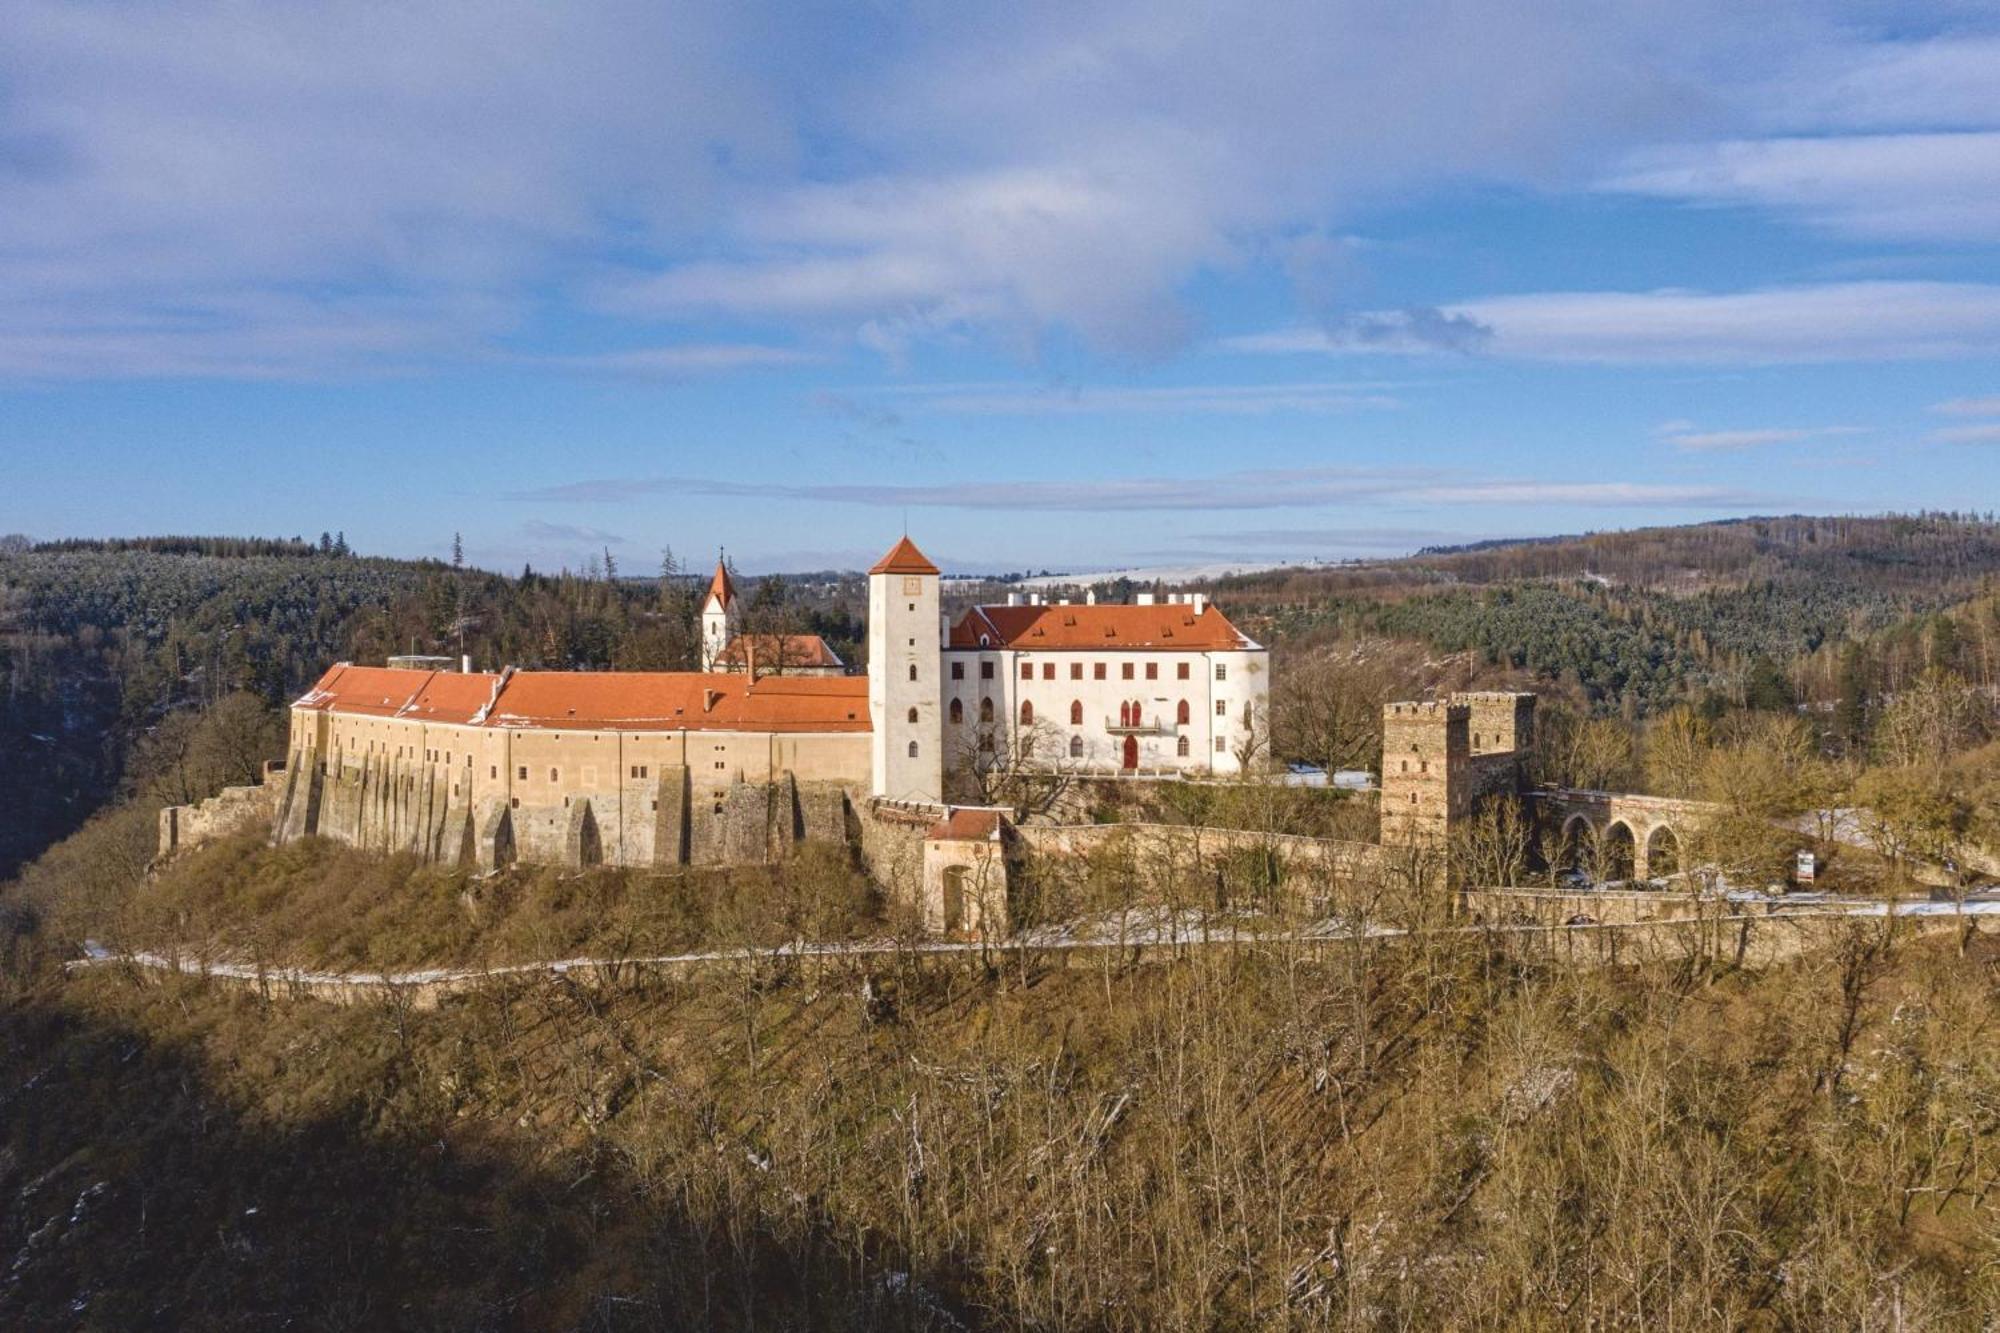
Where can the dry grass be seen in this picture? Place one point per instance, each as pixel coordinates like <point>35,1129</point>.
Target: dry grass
<point>318,904</point>
<point>1250,1137</point>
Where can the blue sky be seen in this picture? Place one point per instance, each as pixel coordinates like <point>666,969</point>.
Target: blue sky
<point>1067,284</point>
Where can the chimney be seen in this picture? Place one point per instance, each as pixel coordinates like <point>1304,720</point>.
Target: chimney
<point>709,698</point>
<point>1199,601</point>
<point>1063,602</point>
<point>1013,599</point>
<point>465,664</point>
<point>1143,599</point>
<point>1090,595</point>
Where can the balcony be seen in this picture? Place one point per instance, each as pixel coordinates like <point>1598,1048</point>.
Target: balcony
<point>1155,726</point>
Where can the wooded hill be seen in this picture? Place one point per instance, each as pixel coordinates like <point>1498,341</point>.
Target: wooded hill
<point>1641,619</point>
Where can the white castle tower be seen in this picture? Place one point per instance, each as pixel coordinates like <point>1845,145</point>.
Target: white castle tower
<point>718,611</point>
<point>903,685</point>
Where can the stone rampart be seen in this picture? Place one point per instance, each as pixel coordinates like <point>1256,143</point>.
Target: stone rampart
<point>1199,844</point>
<point>230,811</point>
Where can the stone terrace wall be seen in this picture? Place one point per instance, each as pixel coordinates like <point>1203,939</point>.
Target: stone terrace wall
<point>1196,844</point>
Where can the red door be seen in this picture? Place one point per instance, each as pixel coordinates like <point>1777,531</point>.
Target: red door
<point>1131,752</point>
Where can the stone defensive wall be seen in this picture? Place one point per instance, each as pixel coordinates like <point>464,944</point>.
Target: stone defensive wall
<point>559,768</point>
<point>231,811</point>
<point>1195,845</point>
<point>664,819</point>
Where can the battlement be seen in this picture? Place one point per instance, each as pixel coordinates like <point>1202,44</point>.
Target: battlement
<point>1432,710</point>
<point>1502,721</point>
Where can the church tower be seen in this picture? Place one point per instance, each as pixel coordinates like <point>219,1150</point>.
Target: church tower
<point>903,685</point>
<point>718,616</point>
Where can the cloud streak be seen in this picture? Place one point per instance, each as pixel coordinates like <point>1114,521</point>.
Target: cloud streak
<point>1310,397</point>
<point>1987,433</point>
<point>1831,322</point>
<point>1683,436</point>
<point>1274,489</point>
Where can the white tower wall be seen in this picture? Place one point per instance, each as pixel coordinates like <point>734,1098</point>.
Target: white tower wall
<point>903,680</point>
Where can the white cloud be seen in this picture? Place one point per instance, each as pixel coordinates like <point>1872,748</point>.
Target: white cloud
<point>684,359</point>
<point>1983,434</point>
<point>1683,435</point>
<point>1930,187</point>
<point>1854,321</point>
<point>1180,399</point>
<point>1291,488</point>
<point>221,189</point>
<point>1968,407</point>
<point>214,188</point>
<point>1944,81</point>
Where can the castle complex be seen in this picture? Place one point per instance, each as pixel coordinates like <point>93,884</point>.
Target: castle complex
<point>769,743</point>
<point>772,743</point>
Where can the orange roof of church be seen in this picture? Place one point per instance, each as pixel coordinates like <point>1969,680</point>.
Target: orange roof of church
<point>1164,625</point>
<point>721,587</point>
<point>602,700</point>
<point>777,651</point>
<point>904,558</point>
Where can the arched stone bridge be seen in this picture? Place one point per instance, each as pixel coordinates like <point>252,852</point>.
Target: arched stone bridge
<point>1619,835</point>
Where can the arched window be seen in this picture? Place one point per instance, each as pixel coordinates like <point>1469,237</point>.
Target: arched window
<point>1181,747</point>
<point>913,671</point>
<point>1076,712</point>
<point>1249,712</point>
<point>913,715</point>
<point>957,712</point>
<point>1076,747</point>
<point>986,710</point>
<point>913,749</point>
<point>1181,715</point>
<point>1027,713</point>
<point>1124,713</point>
<point>1138,713</point>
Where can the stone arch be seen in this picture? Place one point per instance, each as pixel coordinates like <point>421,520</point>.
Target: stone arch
<point>957,890</point>
<point>1579,840</point>
<point>1619,853</point>
<point>1663,851</point>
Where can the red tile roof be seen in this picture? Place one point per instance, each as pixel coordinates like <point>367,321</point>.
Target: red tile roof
<point>1167,625</point>
<point>603,700</point>
<point>780,652</point>
<point>966,826</point>
<point>368,691</point>
<point>904,558</point>
<point>721,586</point>
<point>673,700</point>
<point>452,696</point>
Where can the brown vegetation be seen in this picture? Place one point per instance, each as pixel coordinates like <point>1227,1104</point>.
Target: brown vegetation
<point>1424,1136</point>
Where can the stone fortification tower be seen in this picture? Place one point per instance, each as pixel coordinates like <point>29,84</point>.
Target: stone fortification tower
<point>1502,721</point>
<point>1426,787</point>
<point>718,616</point>
<point>903,670</point>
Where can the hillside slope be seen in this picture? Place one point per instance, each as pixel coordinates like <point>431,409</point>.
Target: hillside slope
<point>1423,1137</point>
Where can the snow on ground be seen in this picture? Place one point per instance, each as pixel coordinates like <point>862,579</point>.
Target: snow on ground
<point>1173,575</point>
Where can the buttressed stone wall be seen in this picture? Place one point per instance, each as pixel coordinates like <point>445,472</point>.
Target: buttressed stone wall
<point>574,768</point>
